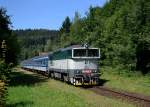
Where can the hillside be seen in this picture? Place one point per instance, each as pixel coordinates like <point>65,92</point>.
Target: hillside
<point>34,41</point>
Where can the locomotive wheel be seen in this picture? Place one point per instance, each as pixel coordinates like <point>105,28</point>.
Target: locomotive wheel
<point>49,74</point>
<point>52,75</point>
<point>74,81</point>
<point>65,78</point>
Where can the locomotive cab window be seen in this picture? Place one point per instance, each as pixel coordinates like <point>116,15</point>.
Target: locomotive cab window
<point>93,53</point>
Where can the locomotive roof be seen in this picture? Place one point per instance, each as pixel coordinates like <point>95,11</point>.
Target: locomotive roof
<point>36,57</point>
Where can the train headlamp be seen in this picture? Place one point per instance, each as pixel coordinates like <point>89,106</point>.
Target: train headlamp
<point>94,71</point>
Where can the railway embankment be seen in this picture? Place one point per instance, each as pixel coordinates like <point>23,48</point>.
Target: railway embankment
<point>137,99</point>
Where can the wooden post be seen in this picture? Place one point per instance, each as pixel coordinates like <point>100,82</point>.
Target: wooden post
<point>4,49</point>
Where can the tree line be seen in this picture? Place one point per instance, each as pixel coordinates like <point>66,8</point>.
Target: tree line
<point>121,29</point>
<point>34,41</point>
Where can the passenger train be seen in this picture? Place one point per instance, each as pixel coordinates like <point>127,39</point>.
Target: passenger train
<point>75,64</point>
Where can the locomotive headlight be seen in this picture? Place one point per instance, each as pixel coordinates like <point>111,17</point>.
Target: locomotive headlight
<point>94,71</point>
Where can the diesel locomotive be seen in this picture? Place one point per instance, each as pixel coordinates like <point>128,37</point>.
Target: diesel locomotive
<point>75,64</point>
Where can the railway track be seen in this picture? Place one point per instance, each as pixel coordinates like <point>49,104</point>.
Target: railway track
<point>137,99</point>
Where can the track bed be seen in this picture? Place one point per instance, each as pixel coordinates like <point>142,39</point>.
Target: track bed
<point>137,99</point>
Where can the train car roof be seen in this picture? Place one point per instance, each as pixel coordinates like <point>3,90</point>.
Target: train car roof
<point>40,57</point>
<point>36,58</point>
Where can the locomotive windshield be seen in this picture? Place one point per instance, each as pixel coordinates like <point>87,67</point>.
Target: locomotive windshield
<point>79,53</point>
<point>86,53</point>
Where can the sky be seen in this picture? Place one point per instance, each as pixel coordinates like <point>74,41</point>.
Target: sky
<point>45,14</point>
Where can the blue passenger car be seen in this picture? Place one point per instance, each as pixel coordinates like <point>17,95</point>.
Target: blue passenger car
<point>39,63</point>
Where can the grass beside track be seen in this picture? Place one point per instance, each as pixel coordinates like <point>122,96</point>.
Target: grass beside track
<point>134,82</point>
<point>32,90</point>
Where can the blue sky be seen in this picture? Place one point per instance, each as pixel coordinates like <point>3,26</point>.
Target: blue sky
<point>46,14</point>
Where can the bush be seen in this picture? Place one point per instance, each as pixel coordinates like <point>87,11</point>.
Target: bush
<point>4,71</point>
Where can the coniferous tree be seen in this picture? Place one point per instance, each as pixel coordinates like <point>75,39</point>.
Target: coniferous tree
<point>11,42</point>
<point>66,26</point>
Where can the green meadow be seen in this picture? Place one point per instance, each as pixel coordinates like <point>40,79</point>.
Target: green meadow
<point>131,82</point>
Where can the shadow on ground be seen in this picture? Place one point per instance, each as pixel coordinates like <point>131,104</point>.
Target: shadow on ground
<point>20,78</point>
<point>20,104</point>
<point>102,82</point>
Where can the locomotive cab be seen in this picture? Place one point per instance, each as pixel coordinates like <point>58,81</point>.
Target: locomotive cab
<point>85,63</point>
